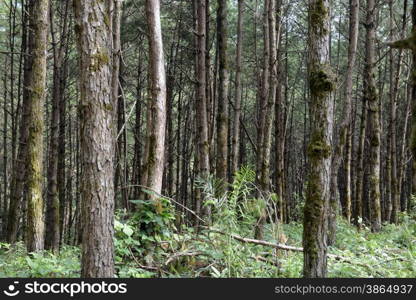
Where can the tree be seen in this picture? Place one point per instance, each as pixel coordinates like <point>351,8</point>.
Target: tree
<point>93,28</point>
<point>157,103</point>
<point>222,115</point>
<point>201,99</point>
<point>52,218</point>
<point>238,90</point>
<point>321,85</point>
<point>372,100</point>
<point>37,87</point>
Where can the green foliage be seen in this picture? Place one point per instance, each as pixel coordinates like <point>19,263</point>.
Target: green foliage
<point>148,244</point>
<point>145,234</point>
<point>15,262</point>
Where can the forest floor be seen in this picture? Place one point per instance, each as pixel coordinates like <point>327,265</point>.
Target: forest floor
<point>185,253</point>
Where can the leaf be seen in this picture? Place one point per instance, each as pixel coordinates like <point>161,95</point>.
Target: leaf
<point>127,230</point>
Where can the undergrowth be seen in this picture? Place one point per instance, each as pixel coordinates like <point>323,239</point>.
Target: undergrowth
<point>156,244</point>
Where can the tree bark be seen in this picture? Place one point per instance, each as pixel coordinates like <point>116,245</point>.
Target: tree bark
<point>37,91</point>
<point>222,114</point>
<point>372,99</point>
<point>201,101</point>
<point>157,105</point>
<point>238,90</point>
<point>97,137</point>
<point>322,85</point>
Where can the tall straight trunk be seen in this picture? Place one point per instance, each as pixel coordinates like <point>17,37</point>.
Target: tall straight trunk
<point>395,172</point>
<point>342,139</point>
<point>238,90</point>
<point>116,98</point>
<point>403,148</point>
<point>322,86</point>
<point>157,105</point>
<point>359,195</point>
<point>136,171</point>
<point>201,100</point>
<point>97,136</point>
<point>64,201</point>
<point>372,99</point>
<point>222,113</point>
<point>413,100</point>
<point>4,204</point>
<point>52,200</point>
<point>262,100</point>
<point>19,172</point>
<point>280,126</point>
<point>37,90</point>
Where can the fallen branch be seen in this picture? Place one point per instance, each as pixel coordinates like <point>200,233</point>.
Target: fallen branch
<point>262,259</point>
<point>176,256</point>
<point>288,248</point>
<point>258,242</point>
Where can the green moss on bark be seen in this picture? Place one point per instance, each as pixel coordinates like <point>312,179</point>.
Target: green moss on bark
<point>322,80</point>
<point>98,60</point>
<point>318,17</point>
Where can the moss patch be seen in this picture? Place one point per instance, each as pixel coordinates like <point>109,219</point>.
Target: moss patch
<point>98,60</point>
<point>318,148</point>
<point>318,16</point>
<point>322,80</point>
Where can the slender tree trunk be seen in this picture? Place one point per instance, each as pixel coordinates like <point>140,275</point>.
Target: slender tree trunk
<point>280,125</point>
<point>372,98</point>
<point>322,85</point>
<point>37,89</point>
<point>222,114</point>
<point>52,200</point>
<point>201,101</point>
<point>262,100</point>
<point>117,98</point>
<point>157,105</point>
<point>238,89</point>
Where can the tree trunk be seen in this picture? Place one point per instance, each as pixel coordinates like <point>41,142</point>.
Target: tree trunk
<point>372,99</point>
<point>37,90</point>
<point>157,87</point>
<point>238,90</point>
<point>222,115</point>
<point>322,85</point>
<point>201,101</point>
<point>93,28</point>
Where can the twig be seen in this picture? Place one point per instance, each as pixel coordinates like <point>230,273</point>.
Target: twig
<point>150,268</point>
<point>258,242</point>
<point>176,256</point>
<point>288,248</point>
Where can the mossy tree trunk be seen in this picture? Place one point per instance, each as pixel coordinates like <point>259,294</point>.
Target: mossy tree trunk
<point>322,85</point>
<point>372,99</point>
<point>157,103</point>
<point>201,102</point>
<point>238,90</point>
<point>280,123</point>
<point>262,98</point>
<point>37,91</point>
<point>222,114</point>
<point>52,232</point>
<point>97,136</point>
